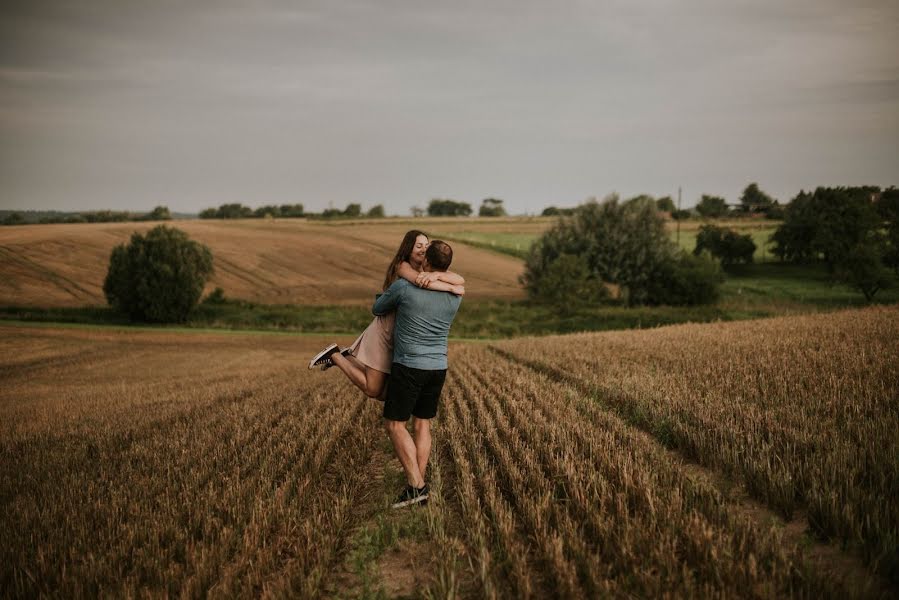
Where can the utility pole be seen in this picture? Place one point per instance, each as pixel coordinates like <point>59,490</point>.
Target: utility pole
<point>678,216</point>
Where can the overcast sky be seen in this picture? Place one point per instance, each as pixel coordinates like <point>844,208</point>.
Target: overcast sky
<point>124,104</point>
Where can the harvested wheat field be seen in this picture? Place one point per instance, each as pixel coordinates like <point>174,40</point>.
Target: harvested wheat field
<point>267,261</point>
<point>751,459</point>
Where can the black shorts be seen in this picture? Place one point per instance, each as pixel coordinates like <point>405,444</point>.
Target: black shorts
<point>413,392</point>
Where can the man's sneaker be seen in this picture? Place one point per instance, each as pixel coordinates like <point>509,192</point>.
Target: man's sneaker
<point>412,495</point>
<point>322,356</point>
<point>328,363</point>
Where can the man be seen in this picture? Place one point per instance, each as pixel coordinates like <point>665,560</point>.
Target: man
<point>423,321</point>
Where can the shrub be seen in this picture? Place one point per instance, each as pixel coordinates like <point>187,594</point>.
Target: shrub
<point>159,277</point>
<point>863,269</point>
<point>568,283</point>
<point>492,207</point>
<point>686,280</point>
<point>724,244</point>
<point>620,243</point>
<point>712,207</point>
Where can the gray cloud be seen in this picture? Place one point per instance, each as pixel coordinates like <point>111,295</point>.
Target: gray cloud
<point>127,104</point>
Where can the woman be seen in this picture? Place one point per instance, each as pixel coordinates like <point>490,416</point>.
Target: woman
<point>366,363</point>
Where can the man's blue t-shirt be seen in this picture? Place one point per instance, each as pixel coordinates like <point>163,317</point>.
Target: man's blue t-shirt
<point>423,320</point>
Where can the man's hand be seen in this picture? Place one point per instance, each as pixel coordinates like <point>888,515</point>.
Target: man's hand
<point>425,279</point>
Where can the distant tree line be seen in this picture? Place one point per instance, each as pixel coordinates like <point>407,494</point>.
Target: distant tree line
<point>444,207</point>
<point>160,213</point>
<point>239,211</point>
<point>753,202</point>
<point>290,211</point>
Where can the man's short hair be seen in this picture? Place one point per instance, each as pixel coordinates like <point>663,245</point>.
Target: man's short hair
<point>439,255</point>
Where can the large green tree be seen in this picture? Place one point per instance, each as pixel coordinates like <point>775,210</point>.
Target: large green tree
<point>158,277</point>
<point>492,207</point>
<point>724,244</point>
<point>623,243</point>
<point>826,224</point>
<point>712,207</point>
<point>754,200</point>
<point>844,228</point>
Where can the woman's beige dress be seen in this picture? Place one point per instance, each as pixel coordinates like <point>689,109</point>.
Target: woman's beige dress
<point>374,348</point>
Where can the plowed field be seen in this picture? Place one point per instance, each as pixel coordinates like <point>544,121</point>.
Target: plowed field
<point>271,262</point>
<point>752,459</point>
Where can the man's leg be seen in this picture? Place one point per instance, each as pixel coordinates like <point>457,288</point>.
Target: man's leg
<point>422,439</point>
<point>405,450</point>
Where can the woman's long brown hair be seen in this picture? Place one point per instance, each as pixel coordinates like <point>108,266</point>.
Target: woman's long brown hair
<point>404,253</point>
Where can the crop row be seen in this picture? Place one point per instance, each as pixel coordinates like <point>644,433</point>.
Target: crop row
<point>556,496</point>
<point>223,490</point>
<point>803,410</point>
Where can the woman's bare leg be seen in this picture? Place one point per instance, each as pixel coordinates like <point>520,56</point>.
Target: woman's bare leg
<point>370,381</point>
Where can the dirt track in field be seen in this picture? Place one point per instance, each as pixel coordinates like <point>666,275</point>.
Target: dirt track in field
<point>271,262</point>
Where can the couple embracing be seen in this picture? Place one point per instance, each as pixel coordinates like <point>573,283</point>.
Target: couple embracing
<point>407,343</point>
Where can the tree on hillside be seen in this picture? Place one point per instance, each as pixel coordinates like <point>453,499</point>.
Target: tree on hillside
<point>623,243</point>
<point>160,213</point>
<point>417,211</point>
<point>888,209</point>
<point>843,228</point>
<point>492,207</point>
<point>375,212</point>
<point>754,200</point>
<point>665,204</point>
<point>353,210</point>
<point>826,225</point>
<point>712,207</point>
<point>439,207</point>
<point>159,277</point>
<point>724,244</point>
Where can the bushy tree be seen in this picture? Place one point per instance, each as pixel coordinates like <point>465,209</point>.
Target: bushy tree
<point>712,207</point>
<point>568,283</point>
<point>724,244</point>
<point>826,225</point>
<point>623,243</point>
<point>665,204</point>
<point>353,210</point>
<point>754,200</point>
<point>888,208</point>
<point>160,213</point>
<point>685,280</point>
<point>158,277</point>
<point>448,208</point>
<point>492,207</point>
<point>375,212</point>
<point>862,268</point>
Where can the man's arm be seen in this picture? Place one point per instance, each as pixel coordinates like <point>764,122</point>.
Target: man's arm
<point>438,282</point>
<point>389,300</point>
<point>426,280</point>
